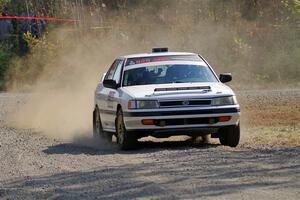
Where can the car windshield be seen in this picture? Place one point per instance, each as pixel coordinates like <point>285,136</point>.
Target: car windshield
<point>163,74</point>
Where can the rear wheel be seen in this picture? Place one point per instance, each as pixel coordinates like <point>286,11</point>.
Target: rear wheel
<point>98,132</point>
<point>125,140</point>
<point>230,136</point>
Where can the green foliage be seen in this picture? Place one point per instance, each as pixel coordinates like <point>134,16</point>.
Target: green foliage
<point>6,54</point>
<point>27,69</point>
<point>253,38</point>
<point>293,10</point>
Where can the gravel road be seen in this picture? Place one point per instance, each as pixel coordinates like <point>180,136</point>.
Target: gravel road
<point>34,166</point>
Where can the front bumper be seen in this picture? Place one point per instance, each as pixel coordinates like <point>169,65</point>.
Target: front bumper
<point>181,118</point>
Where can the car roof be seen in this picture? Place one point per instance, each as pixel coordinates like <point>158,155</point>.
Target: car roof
<point>155,54</point>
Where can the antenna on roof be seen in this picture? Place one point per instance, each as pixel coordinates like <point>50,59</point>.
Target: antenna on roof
<point>160,50</point>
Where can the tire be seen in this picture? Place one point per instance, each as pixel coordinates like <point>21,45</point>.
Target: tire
<point>98,132</point>
<point>230,136</point>
<point>125,140</point>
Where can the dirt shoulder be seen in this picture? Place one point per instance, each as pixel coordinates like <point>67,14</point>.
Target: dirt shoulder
<point>270,117</point>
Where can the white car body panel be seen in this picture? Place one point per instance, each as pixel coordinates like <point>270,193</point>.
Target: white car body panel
<point>147,91</point>
<point>108,100</point>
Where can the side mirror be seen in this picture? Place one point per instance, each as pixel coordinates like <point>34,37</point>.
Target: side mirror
<point>110,84</point>
<point>225,77</point>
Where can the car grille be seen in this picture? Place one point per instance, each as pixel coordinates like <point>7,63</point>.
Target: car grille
<point>184,103</point>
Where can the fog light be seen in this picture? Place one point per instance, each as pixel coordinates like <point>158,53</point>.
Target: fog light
<point>224,118</point>
<point>148,122</point>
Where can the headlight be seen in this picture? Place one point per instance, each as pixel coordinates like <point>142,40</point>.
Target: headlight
<point>142,104</point>
<point>221,101</point>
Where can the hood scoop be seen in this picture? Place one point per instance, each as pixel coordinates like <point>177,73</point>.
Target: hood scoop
<point>181,90</point>
<point>207,88</point>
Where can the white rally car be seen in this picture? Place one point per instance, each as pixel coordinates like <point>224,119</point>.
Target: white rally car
<point>164,94</point>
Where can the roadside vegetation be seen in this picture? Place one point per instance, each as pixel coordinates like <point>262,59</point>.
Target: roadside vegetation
<point>258,40</point>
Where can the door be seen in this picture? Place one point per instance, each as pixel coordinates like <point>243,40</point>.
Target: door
<point>110,97</point>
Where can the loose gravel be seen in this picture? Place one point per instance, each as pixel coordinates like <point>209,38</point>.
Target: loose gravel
<point>34,166</point>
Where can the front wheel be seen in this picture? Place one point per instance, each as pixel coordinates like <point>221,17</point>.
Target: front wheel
<point>230,136</point>
<point>125,140</point>
<point>98,132</point>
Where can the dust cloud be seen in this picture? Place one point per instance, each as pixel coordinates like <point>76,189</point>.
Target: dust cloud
<point>62,102</point>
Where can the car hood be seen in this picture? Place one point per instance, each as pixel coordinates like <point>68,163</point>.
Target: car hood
<point>178,90</point>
